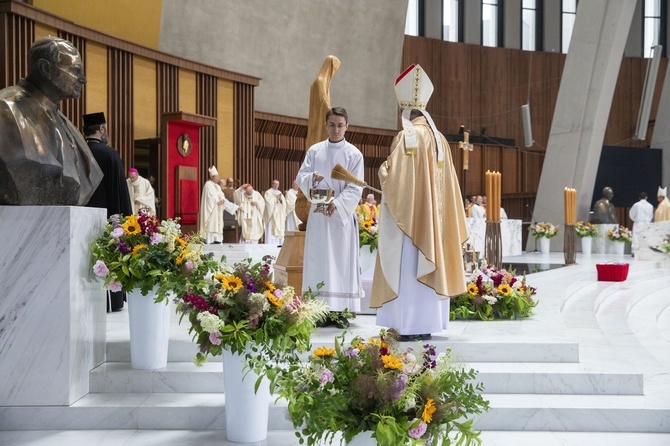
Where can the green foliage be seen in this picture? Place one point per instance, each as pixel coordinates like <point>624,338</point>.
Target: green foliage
<point>374,386</point>
<point>367,232</point>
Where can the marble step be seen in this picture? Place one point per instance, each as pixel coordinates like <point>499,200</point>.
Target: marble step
<point>467,350</point>
<point>198,411</point>
<point>287,438</point>
<point>505,378</point>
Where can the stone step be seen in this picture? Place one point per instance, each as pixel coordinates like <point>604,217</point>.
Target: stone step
<point>198,411</point>
<point>504,378</point>
<point>467,350</point>
<point>288,438</point>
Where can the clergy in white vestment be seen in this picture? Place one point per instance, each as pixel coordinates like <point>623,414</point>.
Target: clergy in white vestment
<point>275,215</point>
<point>477,210</point>
<point>292,220</point>
<point>663,210</point>
<point>250,215</point>
<point>641,213</point>
<point>212,205</point>
<point>331,240</point>
<point>422,224</point>
<point>141,193</point>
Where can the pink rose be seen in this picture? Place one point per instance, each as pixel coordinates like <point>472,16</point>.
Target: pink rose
<point>418,431</point>
<point>115,286</point>
<point>100,269</point>
<point>214,338</point>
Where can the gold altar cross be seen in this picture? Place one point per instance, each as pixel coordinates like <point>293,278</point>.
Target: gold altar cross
<point>467,148</point>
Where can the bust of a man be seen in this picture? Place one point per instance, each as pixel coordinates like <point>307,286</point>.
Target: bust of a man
<point>603,209</point>
<point>44,160</point>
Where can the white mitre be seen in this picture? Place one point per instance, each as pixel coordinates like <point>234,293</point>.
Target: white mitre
<point>413,89</point>
<point>213,171</point>
<point>662,192</point>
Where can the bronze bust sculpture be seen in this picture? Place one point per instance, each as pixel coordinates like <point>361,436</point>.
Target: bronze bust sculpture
<point>44,160</point>
<point>603,209</point>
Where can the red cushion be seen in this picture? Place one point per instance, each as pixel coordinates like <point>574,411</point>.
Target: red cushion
<point>612,272</point>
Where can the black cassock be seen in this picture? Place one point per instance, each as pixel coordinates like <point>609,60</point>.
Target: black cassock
<point>111,194</point>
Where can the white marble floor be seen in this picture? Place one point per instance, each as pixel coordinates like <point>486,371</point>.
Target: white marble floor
<point>589,368</point>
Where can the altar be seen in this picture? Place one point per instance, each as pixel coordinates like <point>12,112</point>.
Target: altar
<point>510,232</point>
<point>647,241</point>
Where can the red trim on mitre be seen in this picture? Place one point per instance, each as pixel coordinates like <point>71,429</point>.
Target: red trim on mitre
<point>404,73</point>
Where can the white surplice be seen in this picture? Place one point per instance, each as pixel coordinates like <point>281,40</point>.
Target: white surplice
<point>275,217</point>
<point>142,195</point>
<point>250,217</point>
<point>331,242</point>
<point>292,220</point>
<point>210,218</point>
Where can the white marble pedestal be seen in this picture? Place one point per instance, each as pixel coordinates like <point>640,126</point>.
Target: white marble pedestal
<point>510,234</point>
<point>368,260</point>
<point>53,323</point>
<point>600,243</point>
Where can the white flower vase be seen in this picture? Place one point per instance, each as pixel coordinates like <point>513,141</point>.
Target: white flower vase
<point>368,258</point>
<point>618,248</point>
<point>586,245</point>
<point>246,410</point>
<point>363,439</point>
<point>149,324</point>
<point>545,243</point>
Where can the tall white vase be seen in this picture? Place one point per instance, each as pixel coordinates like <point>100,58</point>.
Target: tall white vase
<point>363,439</point>
<point>586,245</point>
<point>618,248</point>
<point>149,325</point>
<point>246,410</point>
<point>545,243</point>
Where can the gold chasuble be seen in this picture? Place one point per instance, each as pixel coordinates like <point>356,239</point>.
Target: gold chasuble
<point>425,204</point>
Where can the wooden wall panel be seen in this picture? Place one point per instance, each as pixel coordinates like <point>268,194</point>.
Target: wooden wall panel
<point>96,75</point>
<point>18,34</point>
<point>167,90</point>
<point>247,169</point>
<point>75,108</point>
<point>206,105</point>
<point>120,118</point>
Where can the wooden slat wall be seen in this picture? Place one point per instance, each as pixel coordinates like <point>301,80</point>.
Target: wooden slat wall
<point>206,100</point>
<point>74,108</point>
<point>247,169</point>
<point>18,34</point>
<point>167,86</point>
<point>120,96</point>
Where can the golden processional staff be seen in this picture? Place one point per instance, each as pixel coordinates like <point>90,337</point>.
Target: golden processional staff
<point>342,174</point>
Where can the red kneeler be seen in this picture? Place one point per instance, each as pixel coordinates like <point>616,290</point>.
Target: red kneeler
<point>612,272</point>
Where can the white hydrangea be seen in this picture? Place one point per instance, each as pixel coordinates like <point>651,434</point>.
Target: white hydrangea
<point>210,322</point>
<point>490,299</point>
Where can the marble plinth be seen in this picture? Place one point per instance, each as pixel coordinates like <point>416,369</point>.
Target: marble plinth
<point>238,252</point>
<point>368,260</point>
<point>600,243</point>
<point>649,239</point>
<point>52,312</point>
<point>510,232</point>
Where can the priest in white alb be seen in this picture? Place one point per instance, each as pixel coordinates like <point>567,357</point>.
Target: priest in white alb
<point>662,212</point>
<point>142,195</point>
<point>292,220</point>
<point>331,240</point>
<point>275,215</point>
<point>212,205</point>
<point>422,223</point>
<point>250,215</point>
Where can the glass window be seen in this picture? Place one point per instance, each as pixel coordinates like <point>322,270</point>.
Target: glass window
<point>490,28</point>
<point>450,20</point>
<point>651,26</point>
<point>529,25</point>
<point>412,21</point>
<point>569,13</point>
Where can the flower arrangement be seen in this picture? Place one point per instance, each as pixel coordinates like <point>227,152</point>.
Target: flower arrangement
<point>494,294</point>
<point>141,252</point>
<point>621,234</point>
<point>403,397</point>
<point>367,232</point>
<point>543,229</point>
<point>233,307</point>
<point>586,229</point>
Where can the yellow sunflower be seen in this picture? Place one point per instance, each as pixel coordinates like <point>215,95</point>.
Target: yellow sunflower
<point>270,286</point>
<point>274,300</point>
<point>428,411</point>
<point>324,351</point>
<point>473,289</point>
<point>131,225</point>
<point>180,258</point>
<point>504,289</point>
<point>231,283</point>
<point>219,277</point>
<point>181,241</point>
<point>137,248</point>
<point>392,362</point>
<point>367,224</point>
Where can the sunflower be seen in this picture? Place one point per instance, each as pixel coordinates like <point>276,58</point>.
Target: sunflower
<point>504,289</point>
<point>137,248</point>
<point>231,283</point>
<point>428,411</point>
<point>324,351</point>
<point>131,225</point>
<point>180,258</point>
<point>367,224</point>
<point>219,277</point>
<point>274,300</point>
<point>473,289</point>
<point>270,286</point>
<point>392,362</point>
<point>181,241</point>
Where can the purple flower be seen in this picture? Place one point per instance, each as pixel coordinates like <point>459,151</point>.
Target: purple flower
<point>190,265</point>
<point>123,247</point>
<point>352,352</point>
<point>156,238</point>
<point>326,377</point>
<point>117,232</point>
<point>418,431</point>
<point>399,386</point>
<point>214,338</point>
<point>114,219</point>
<point>198,302</point>
<point>100,269</point>
<point>115,286</point>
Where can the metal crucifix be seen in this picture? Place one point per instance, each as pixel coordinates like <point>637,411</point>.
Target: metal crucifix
<point>467,148</point>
